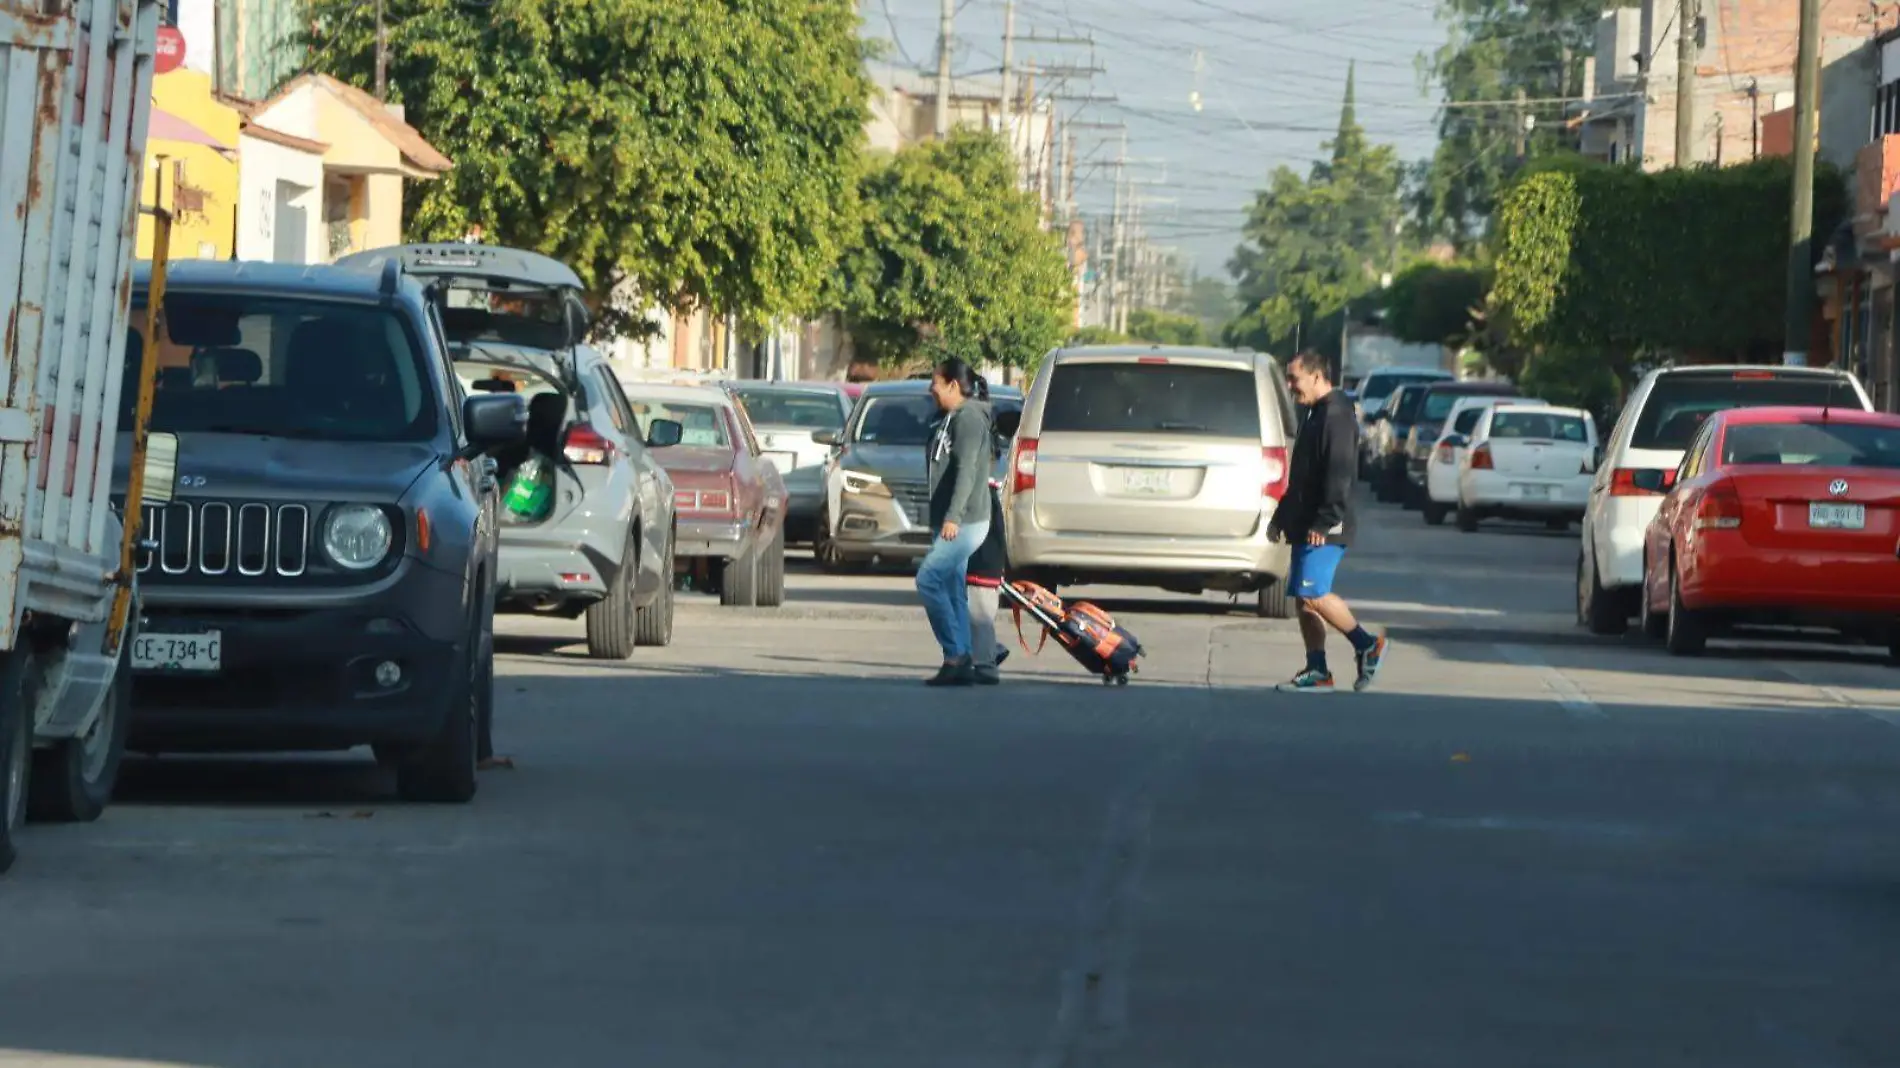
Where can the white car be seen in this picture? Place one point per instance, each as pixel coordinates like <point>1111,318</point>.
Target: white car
<point>1646,447</point>
<point>1527,461</point>
<point>1448,453</point>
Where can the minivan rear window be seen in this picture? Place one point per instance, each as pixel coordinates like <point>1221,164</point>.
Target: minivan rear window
<point>1148,398</point>
<point>1679,404</point>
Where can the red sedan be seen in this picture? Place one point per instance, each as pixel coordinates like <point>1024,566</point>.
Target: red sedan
<point>1778,517</point>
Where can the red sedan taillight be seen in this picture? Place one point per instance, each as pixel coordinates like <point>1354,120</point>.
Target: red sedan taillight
<point>717,501</point>
<point>1720,508</point>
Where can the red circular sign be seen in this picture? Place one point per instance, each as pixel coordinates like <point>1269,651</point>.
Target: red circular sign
<point>171,50</point>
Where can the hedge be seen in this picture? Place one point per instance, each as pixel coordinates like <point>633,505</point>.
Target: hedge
<point>1596,255</point>
<point>1430,303</point>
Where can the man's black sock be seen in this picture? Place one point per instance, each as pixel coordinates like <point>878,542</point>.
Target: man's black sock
<point>1361,639</point>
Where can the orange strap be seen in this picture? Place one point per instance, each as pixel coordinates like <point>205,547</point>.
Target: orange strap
<point>1023,639</point>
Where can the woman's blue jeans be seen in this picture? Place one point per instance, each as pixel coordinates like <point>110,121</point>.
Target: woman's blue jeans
<point>940,581</point>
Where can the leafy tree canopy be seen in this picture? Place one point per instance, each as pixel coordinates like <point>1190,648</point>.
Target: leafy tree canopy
<point>703,153</point>
<point>1495,49</point>
<point>1313,244</point>
<point>952,259</point>
<point>1165,328</point>
<point>1099,335</point>
<point>1433,303</point>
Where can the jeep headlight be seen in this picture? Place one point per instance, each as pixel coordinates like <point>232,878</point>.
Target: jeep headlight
<point>357,537</point>
<point>865,485</point>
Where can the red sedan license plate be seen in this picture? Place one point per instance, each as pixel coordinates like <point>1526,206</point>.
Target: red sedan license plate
<point>1826,515</point>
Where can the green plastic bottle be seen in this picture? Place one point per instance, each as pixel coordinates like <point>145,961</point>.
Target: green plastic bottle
<point>531,494</point>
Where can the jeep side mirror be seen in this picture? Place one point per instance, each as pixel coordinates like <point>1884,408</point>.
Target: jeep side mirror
<point>664,433</point>
<point>493,420</point>
<point>827,437</point>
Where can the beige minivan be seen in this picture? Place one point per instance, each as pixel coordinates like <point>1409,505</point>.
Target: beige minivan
<point>1152,466</point>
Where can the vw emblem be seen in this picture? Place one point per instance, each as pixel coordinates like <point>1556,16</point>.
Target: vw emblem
<point>1838,487</point>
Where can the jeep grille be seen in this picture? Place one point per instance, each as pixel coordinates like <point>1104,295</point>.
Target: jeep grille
<point>247,539</point>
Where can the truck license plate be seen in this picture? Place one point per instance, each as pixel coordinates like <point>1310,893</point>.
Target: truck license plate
<point>1146,482</point>
<point>1826,515</point>
<point>178,652</point>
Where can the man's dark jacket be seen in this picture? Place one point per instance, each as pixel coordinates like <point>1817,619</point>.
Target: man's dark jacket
<point>1324,467</point>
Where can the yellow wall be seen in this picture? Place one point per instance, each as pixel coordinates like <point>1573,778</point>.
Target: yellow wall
<point>187,94</point>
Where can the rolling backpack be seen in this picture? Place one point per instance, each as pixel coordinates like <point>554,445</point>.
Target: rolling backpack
<point>1102,646</point>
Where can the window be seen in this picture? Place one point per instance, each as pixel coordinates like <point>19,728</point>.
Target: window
<point>896,419</point>
<point>623,421</point>
<point>1467,419</point>
<point>285,368</point>
<point>1379,385</point>
<point>1438,404</point>
<point>1813,444</point>
<point>801,409</point>
<point>700,421</point>
<point>621,407</point>
<point>1539,426</point>
<point>1138,398</point>
<point>1406,403</point>
<point>1679,403</point>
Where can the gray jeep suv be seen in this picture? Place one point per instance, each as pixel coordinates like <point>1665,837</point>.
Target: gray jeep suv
<point>322,575</point>
<point>594,533</point>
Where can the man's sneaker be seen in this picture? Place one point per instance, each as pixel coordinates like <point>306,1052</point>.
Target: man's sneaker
<point>988,676</point>
<point>1369,662</point>
<point>1309,681</point>
<point>961,673</point>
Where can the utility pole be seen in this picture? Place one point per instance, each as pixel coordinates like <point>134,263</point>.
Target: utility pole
<point>1801,206</point>
<point>1117,234</point>
<point>1685,82</point>
<point>382,55</point>
<point>1009,60</point>
<point>946,36</point>
<point>1520,120</point>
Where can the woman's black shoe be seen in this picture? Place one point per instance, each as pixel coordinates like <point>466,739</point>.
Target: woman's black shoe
<point>961,673</point>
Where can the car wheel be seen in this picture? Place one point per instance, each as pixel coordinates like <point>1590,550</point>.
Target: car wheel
<point>1411,498</point>
<point>72,782</point>
<point>1685,633</point>
<point>1272,602</point>
<point>485,693</point>
<point>1434,513</point>
<point>1652,625</point>
<point>772,573</point>
<point>1598,608</point>
<point>443,770</point>
<point>739,581</point>
<point>610,620</point>
<point>1467,518</point>
<point>653,625</point>
<point>16,756</point>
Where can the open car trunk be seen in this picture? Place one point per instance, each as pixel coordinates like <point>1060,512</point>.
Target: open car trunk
<point>550,414</point>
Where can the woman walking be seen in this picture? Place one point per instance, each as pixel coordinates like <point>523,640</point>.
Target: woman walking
<point>959,478</point>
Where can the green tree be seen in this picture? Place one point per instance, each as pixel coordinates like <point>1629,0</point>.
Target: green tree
<point>1495,49</point>
<point>1210,301</point>
<point>704,154</point>
<point>1313,245</point>
<point>1099,335</point>
<point>952,260</point>
<point>1165,328</point>
<point>1436,304</point>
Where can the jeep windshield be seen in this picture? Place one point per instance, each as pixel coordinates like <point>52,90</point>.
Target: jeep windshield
<point>283,367</point>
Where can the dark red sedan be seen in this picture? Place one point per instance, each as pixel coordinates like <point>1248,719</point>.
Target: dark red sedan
<point>1778,517</point>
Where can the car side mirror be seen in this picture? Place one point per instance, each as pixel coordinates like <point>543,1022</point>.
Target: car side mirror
<point>827,437</point>
<point>1650,480</point>
<point>576,320</point>
<point>664,433</point>
<point>1456,441</point>
<point>493,420</point>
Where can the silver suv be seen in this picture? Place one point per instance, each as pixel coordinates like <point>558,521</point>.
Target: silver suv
<point>1153,466</point>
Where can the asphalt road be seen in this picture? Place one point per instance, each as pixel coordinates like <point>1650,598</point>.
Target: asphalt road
<point>768,845</point>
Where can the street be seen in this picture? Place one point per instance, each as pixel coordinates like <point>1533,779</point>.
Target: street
<point>770,845</point>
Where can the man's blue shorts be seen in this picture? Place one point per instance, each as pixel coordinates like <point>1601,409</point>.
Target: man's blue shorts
<point>1311,575</point>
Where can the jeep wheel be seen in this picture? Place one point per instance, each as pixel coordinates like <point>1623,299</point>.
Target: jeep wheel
<point>653,625</point>
<point>739,580</point>
<point>72,781</point>
<point>772,573</point>
<point>16,752</point>
<point>610,620</point>
<point>442,771</point>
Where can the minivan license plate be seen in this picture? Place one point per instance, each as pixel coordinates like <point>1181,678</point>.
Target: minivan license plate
<point>202,652</point>
<point>1826,515</point>
<point>1146,482</point>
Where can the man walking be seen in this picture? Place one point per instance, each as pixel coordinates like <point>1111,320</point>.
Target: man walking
<point>1316,516</point>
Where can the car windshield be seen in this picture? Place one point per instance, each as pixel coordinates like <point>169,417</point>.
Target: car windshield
<point>796,408</point>
<point>700,425</point>
<point>1539,426</point>
<point>1679,404</point>
<point>518,315</point>
<point>1145,398</point>
<point>1813,444</point>
<point>1379,387</point>
<point>283,367</point>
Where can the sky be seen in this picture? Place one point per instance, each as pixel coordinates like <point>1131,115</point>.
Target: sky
<point>1270,76</point>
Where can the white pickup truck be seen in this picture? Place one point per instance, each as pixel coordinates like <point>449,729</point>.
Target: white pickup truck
<point>75,101</point>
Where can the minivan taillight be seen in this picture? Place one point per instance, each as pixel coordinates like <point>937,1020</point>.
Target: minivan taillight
<point>1720,508</point>
<point>1278,472</point>
<point>1023,465</point>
